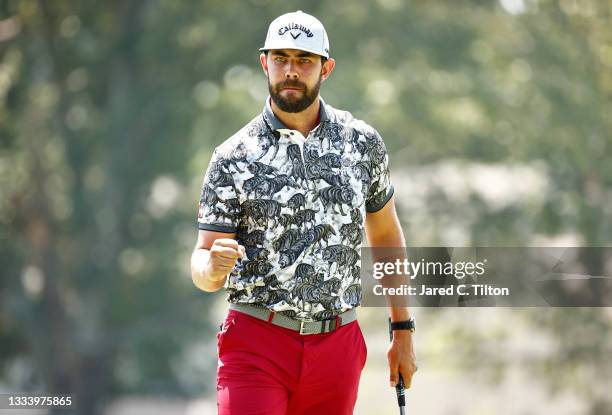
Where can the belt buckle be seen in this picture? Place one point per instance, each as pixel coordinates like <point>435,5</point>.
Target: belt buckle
<point>302,326</point>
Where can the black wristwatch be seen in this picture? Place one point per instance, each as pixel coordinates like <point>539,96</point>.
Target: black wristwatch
<point>404,325</point>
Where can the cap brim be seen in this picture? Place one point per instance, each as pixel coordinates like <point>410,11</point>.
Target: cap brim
<point>264,49</point>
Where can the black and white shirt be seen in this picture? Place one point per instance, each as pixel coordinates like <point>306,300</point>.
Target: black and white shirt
<point>298,205</point>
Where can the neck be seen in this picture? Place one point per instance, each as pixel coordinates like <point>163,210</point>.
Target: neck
<point>304,121</point>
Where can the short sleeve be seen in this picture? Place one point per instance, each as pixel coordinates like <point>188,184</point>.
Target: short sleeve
<point>381,188</point>
<point>218,209</point>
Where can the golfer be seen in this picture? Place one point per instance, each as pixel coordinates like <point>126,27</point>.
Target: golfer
<point>282,210</point>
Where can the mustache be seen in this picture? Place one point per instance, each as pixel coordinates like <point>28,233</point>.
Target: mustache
<point>290,84</point>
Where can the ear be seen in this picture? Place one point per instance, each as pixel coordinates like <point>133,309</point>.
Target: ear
<point>327,68</point>
<point>264,63</point>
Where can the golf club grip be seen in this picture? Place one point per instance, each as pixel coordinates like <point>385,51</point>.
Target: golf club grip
<point>400,391</point>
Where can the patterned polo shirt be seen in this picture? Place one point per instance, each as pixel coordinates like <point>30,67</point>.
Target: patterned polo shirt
<point>298,205</point>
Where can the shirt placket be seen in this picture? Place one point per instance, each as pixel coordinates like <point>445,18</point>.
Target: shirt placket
<point>296,137</point>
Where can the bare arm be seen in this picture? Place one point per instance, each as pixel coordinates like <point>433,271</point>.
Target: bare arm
<point>383,229</point>
<point>213,258</point>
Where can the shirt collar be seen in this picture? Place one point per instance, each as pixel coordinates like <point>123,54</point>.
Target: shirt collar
<point>276,124</point>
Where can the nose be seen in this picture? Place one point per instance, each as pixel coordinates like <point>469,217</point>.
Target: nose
<point>291,73</point>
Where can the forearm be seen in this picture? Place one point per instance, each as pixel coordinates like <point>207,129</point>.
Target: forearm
<point>399,313</point>
<point>387,242</point>
<point>397,306</point>
<point>199,275</point>
<point>389,248</point>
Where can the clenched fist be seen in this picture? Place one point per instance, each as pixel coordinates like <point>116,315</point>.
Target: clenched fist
<point>223,256</point>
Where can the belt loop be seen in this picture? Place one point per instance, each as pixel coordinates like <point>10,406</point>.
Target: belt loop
<point>271,317</point>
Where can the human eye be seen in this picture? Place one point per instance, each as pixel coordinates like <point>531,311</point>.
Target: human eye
<point>280,59</point>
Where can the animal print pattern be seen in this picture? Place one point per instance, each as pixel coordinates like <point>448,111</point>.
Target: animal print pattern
<point>298,206</point>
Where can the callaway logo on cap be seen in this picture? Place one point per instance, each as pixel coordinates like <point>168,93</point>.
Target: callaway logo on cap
<point>297,30</point>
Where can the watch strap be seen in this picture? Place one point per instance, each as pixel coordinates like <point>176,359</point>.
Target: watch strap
<point>403,325</point>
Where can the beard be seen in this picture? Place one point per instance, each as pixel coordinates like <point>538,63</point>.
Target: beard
<point>294,103</point>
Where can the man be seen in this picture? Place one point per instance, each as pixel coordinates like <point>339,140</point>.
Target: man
<point>282,209</point>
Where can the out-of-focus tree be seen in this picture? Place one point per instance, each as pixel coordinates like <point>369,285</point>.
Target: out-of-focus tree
<point>96,116</point>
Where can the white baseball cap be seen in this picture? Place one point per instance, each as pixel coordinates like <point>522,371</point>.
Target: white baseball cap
<point>300,31</point>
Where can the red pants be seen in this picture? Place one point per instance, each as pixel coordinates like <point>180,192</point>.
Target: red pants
<point>265,369</point>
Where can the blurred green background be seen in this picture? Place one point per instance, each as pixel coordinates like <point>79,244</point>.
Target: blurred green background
<point>498,119</point>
